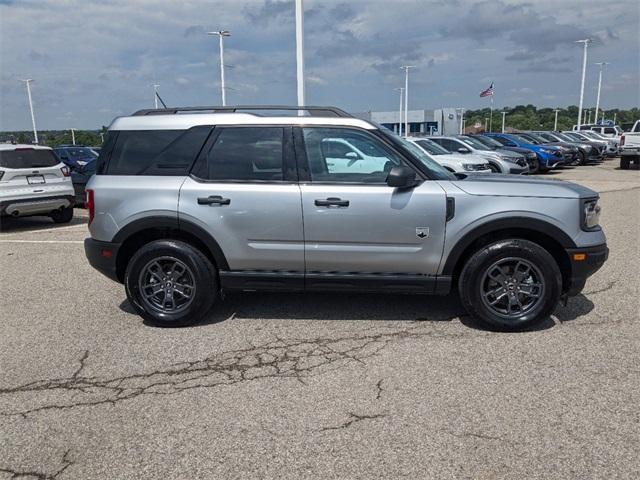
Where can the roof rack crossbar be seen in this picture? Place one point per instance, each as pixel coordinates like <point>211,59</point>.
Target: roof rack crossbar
<point>313,110</point>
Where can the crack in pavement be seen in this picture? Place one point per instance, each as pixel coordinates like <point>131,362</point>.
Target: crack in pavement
<point>354,418</point>
<point>39,475</point>
<point>608,287</point>
<point>279,358</point>
<point>481,436</point>
<point>380,390</point>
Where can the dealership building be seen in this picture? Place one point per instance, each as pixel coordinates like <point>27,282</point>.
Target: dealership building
<point>442,121</point>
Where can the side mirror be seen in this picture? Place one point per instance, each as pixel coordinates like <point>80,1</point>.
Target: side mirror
<point>401,177</point>
<point>464,150</point>
<point>352,156</point>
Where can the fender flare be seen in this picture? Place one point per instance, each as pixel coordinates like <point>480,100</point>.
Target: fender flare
<point>160,221</point>
<point>519,223</point>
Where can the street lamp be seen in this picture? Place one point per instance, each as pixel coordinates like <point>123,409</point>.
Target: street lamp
<point>461,119</point>
<point>555,122</point>
<point>155,95</point>
<point>221,34</point>
<point>300,54</point>
<point>401,89</point>
<point>601,64</point>
<point>586,43</point>
<point>27,82</point>
<point>486,124</point>
<point>406,98</point>
<point>73,135</point>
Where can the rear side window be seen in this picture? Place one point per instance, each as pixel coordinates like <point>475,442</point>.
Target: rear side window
<point>27,158</point>
<point>156,152</point>
<point>244,154</point>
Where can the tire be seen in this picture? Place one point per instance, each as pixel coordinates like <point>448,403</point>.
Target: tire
<point>63,216</point>
<point>172,306</point>
<point>478,277</point>
<point>494,168</point>
<point>624,163</point>
<point>583,158</point>
<point>535,167</point>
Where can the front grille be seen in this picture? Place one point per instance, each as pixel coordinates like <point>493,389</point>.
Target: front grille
<point>522,162</point>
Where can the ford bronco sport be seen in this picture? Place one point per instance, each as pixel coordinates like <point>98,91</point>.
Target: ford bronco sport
<point>189,203</point>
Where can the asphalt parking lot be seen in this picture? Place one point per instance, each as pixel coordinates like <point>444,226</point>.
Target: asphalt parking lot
<point>316,386</point>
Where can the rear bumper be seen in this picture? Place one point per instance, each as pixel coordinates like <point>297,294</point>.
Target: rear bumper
<point>36,205</point>
<point>594,258</point>
<point>102,256</point>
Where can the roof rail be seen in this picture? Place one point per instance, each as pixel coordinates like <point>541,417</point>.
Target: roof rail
<point>314,111</point>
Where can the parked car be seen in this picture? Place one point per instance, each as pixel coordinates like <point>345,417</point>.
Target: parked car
<point>33,181</point>
<point>581,137</point>
<point>451,161</point>
<point>608,130</point>
<point>589,151</point>
<point>613,142</point>
<point>216,202</point>
<point>549,157</point>
<point>532,159</point>
<point>80,176</point>
<point>630,147</point>
<point>570,152</point>
<point>75,156</point>
<point>498,162</point>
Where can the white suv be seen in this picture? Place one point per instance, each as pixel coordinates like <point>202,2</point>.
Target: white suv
<point>451,161</point>
<point>33,181</point>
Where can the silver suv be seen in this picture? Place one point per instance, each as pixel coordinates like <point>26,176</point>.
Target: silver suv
<point>190,203</point>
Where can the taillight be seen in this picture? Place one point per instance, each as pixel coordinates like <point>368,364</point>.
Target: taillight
<point>65,171</point>
<point>622,140</point>
<point>89,205</point>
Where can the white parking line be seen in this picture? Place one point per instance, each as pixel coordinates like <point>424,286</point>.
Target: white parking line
<point>52,229</point>
<point>41,241</point>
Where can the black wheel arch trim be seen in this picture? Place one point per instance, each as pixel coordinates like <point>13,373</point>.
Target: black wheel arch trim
<point>186,226</point>
<point>519,223</point>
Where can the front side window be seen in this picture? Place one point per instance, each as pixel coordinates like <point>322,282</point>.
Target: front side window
<point>365,159</point>
<point>246,154</point>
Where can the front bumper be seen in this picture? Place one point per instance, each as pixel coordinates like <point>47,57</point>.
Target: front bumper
<point>102,256</point>
<point>584,263</point>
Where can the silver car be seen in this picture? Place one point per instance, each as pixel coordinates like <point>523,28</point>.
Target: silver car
<point>187,204</point>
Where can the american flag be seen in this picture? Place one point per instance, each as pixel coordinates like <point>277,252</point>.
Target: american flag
<point>488,92</point>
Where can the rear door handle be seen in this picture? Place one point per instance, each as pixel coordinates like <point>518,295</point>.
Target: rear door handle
<point>332,201</point>
<point>213,200</point>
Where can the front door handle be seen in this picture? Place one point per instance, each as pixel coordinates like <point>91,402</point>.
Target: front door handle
<point>213,200</point>
<point>332,202</point>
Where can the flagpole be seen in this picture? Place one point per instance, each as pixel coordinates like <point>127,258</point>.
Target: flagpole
<point>491,114</point>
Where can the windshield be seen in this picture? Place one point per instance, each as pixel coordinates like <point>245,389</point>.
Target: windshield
<point>472,142</point>
<point>432,147</point>
<point>529,138</point>
<point>564,137</point>
<point>435,170</point>
<point>574,136</point>
<point>488,141</point>
<point>537,137</point>
<point>550,137</point>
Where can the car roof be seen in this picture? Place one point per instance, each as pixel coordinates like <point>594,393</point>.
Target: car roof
<point>22,146</point>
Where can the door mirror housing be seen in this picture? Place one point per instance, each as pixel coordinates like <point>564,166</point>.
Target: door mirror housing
<point>352,156</point>
<point>464,150</point>
<point>401,177</point>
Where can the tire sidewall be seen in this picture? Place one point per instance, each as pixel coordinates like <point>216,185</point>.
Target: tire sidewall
<point>475,268</point>
<point>205,278</point>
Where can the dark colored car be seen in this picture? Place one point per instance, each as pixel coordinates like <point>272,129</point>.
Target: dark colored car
<point>80,176</point>
<point>548,156</point>
<point>589,152</point>
<point>571,152</point>
<point>75,156</point>
<point>531,157</point>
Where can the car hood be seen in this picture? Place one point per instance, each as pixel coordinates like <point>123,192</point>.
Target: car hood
<point>459,158</point>
<point>518,186</point>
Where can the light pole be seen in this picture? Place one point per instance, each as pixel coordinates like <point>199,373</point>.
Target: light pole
<point>155,95</point>
<point>588,117</point>
<point>300,54</point>
<point>73,135</point>
<point>601,64</point>
<point>486,123</point>
<point>586,43</point>
<point>555,121</point>
<point>614,117</point>
<point>221,34</point>
<point>461,120</point>
<point>504,113</point>
<point>27,82</point>
<point>406,98</point>
<point>401,89</point>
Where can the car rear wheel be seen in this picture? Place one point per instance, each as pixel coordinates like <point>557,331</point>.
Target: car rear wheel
<point>510,285</point>
<point>62,216</point>
<point>534,167</point>
<point>170,283</point>
<point>624,163</point>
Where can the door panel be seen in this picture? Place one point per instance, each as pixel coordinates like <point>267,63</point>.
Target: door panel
<point>259,229</point>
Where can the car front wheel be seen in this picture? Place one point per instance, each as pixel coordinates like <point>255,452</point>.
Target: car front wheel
<point>170,283</point>
<point>510,285</point>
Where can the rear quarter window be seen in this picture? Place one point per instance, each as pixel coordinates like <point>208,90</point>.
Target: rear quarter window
<point>155,152</point>
<point>27,158</point>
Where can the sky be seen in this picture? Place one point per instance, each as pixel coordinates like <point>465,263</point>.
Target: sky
<point>92,61</point>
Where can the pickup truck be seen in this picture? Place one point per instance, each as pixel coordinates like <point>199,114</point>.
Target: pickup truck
<point>630,147</point>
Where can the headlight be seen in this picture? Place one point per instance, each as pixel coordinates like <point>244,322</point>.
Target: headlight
<point>548,151</point>
<point>590,214</point>
<point>473,167</point>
